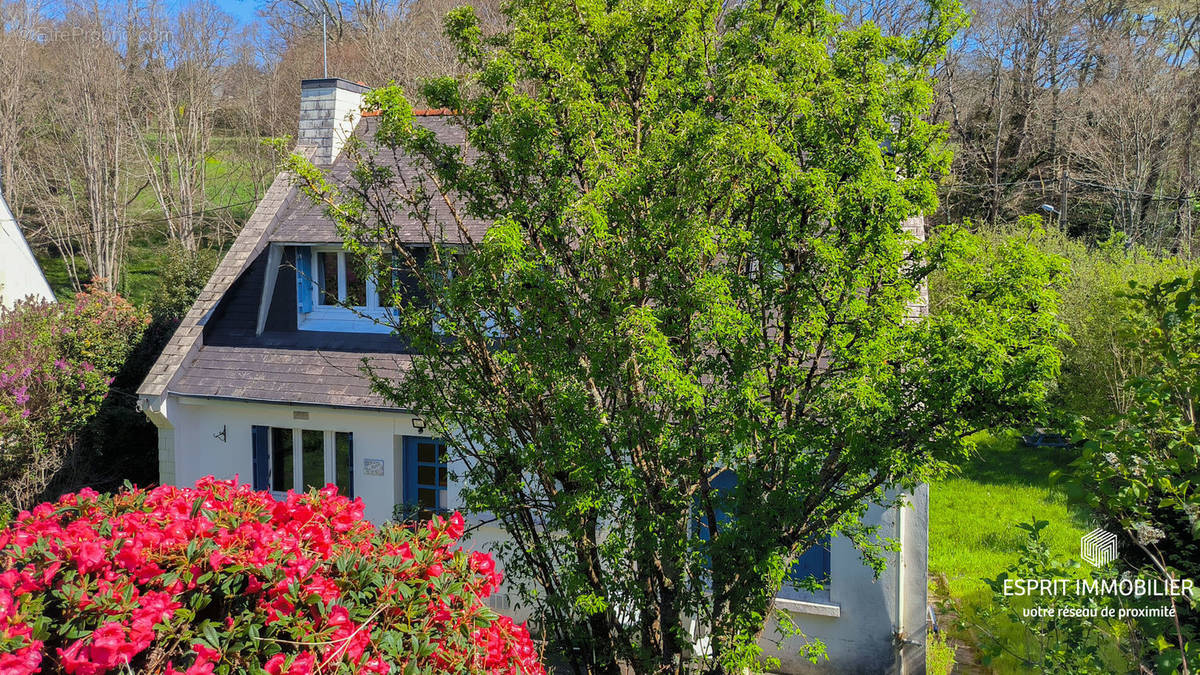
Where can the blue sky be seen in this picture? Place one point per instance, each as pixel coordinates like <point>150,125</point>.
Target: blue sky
<point>241,10</point>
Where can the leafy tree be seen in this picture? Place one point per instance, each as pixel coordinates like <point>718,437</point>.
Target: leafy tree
<point>697,263</point>
<point>1097,358</point>
<point>1140,470</point>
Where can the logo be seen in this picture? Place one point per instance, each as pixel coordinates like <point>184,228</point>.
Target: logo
<point>1098,547</point>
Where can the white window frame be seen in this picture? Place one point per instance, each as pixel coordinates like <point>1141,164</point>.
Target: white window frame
<point>371,318</point>
<point>330,458</point>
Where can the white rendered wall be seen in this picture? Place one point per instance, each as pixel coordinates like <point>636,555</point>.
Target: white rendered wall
<point>20,275</point>
<point>880,627</point>
<point>198,450</point>
<point>859,625</point>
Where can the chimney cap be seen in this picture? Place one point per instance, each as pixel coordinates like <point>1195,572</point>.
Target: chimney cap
<point>327,82</point>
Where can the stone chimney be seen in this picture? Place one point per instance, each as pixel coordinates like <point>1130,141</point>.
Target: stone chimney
<point>329,110</point>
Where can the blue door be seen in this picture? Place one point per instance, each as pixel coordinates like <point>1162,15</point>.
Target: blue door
<point>425,476</point>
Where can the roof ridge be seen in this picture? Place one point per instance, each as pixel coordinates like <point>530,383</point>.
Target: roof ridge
<point>419,112</point>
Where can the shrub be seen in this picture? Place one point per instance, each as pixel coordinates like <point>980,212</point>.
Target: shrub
<point>56,364</point>
<point>1140,472</point>
<point>120,439</point>
<point>1069,637</point>
<point>1098,358</point>
<point>222,579</point>
<point>939,654</point>
<point>181,278</point>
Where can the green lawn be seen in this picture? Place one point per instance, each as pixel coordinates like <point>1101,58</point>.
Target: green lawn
<point>973,517</point>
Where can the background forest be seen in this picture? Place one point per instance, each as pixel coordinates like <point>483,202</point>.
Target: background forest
<point>127,126</point>
<point>131,138</point>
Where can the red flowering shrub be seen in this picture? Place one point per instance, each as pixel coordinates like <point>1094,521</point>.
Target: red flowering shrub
<point>222,579</point>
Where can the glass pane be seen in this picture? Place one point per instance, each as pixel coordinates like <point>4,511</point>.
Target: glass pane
<point>427,452</point>
<point>442,477</point>
<point>406,282</point>
<point>313,456</point>
<point>427,498</point>
<point>343,445</point>
<point>356,281</point>
<point>384,277</point>
<point>282,473</point>
<point>426,475</point>
<point>327,278</point>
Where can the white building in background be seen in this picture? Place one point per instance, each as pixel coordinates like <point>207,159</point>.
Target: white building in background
<point>20,275</point>
<point>263,380</point>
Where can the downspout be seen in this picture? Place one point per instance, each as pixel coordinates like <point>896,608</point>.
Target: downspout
<point>900,636</point>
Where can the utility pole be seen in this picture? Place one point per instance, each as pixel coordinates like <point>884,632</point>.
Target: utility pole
<point>325,44</point>
<point>1062,196</point>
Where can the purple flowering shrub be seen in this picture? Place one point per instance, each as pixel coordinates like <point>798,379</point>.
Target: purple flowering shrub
<point>56,364</point>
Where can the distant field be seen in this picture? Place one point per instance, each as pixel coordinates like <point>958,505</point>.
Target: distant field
<point>230,181</point>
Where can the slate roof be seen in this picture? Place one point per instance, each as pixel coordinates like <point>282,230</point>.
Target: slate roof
<point>303,222</point>
<point>287,375</point>
<point>215,352</point>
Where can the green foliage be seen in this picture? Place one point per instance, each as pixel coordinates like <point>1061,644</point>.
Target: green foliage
<point>56,363</point>
<point>939,654</point>
<point>1097,357</point>
<point>697,262</point>
<point>120,442</point>
<point>1064,637</point>
<point>181,278</point>
<point>1140,471</point>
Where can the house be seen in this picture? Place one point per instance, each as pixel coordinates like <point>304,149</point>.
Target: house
<point>262,380</point>
<point>20,276</point>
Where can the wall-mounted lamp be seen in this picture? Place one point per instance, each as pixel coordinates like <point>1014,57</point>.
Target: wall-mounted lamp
<point>221,434</point>
<point>418,424</point>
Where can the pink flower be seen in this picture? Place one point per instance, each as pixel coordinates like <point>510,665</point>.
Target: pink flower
<point>455,528</point>
<point>89,556</point>
<point>302,665</point>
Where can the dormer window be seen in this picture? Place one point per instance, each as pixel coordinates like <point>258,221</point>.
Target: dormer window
<point>340,281</point>
<point>334,292</point>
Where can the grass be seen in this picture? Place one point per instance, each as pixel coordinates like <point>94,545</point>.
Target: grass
<point>974,514</point>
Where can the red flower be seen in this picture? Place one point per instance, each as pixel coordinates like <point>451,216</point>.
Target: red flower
<point>302,665</point>
<point>285,572</point>
<point>455,529</point>
<point>482,562</point>
<point>89,556</point>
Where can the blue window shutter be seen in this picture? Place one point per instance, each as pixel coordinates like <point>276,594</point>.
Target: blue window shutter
<point>812,563</point>
<point>410,470</point>
<point>262,458</point>
<point>724,482</point>
<point>350,468</point>
<point>303,282</point>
